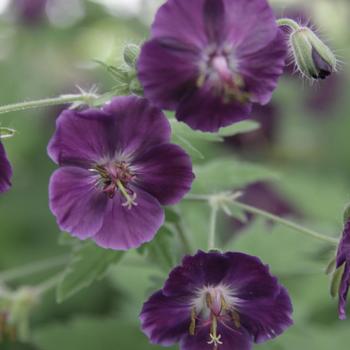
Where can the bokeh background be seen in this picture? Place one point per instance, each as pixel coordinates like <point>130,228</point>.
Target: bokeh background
<point>48,48</point>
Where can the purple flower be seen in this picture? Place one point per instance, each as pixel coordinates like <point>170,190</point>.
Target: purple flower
<point>262,138</point>
<point>209,60</point>
<point>217,301</point>
<point>5,170</point>
<point>264,196</point>
<point>30,11</point>
<point>343,260</point>
<point>117,169</point>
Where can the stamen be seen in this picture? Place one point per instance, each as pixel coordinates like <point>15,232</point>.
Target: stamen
<point>236,318</point>
<point>130,200</point>
<point>193,321</point>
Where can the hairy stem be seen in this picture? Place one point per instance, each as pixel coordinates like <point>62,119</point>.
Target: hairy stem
<point>269,216</point>
<point>288,22</point>
<point>31,269</point>
<point>212,226</point>
<point>64,99</point>
<point>290,224</point>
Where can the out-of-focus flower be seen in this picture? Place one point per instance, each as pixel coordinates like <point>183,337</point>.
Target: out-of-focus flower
<point>264,196</point>
<point>5,170</point>
<point>209,60</point>
<point>117,169</point>
<point>30,11</point>
<point>256,141</point>
<point>343,262</point>
<point>217,301</point>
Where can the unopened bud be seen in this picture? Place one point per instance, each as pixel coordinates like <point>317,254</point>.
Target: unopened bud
<point>312,56</point>
<point>131,53</point>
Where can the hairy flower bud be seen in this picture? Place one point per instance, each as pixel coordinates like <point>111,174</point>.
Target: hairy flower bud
<point>312,56</point>
<point>131,54</point>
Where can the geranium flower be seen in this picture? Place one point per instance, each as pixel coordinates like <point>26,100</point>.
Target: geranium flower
<point>117,169</point>
<point>209,60</point>
<point>343,261</point>
<point>217,301</point>
<point>5,170</point>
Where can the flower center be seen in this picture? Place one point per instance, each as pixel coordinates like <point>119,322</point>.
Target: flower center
<point>218,69</point>
<point>213,305</point>
<point>116,177</point>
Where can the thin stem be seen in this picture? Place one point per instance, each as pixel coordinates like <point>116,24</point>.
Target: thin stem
<point>34,268</point>
<point>288,22</point>
<point>183,238</point>
<point>212,226</point>
<point>46,286</point>
<point>285,222</point>
<point>64,99</point>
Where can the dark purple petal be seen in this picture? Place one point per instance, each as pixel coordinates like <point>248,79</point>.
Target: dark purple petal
<point>195,272</point>
<point>125,228</point>
<point>268,317</point>
<point>126,125</point>
<point>261,69</point>
<point>203,111</point>
<point>76,202</point>
<point>343,254</point>
<point>165,171</point>
<point>231,339</point>
<point>263,305</point>
<point>165,320</point>
<point>214,18</point>
<point>138,125</point>
<point>344,291</point>
<point>167,70</point>
<point>5,170</point>
<point>251,24</point>
<point>181,20</point>
<point>343,260</point>
<point>82,138</point>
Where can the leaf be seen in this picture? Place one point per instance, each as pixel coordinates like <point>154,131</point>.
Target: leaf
<point>191,150</point>
<point>161,250</point>
<point>92,333</point>
<point>227,174</point>
<point>239,128</point>
<point>184,131</point>
<point>88,264</point>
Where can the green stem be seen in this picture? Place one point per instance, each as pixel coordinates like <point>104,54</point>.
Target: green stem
<point>183,238</point>
<point>31,269</point>
<point>212,226</point>
<point>64,99</point>
<point>269,216</point>
<point>285,222</point>
<point>288,22</point>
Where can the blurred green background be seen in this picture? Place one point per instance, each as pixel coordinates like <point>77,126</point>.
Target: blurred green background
<point>53,53</point>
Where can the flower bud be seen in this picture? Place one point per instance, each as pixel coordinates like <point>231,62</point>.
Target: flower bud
<point>312,56</point>
<point>131,54</point>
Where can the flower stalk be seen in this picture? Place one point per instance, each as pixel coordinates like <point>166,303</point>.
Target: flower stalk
<point>84,98</point>
<point>253,210</point>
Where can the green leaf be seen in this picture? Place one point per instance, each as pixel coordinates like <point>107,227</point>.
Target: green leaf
<point>91,333</point>
<point>88,264</point>
<point>239,128</point>
<point>227,174</point>
<point>161,250</point>
<point>191,150</point>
